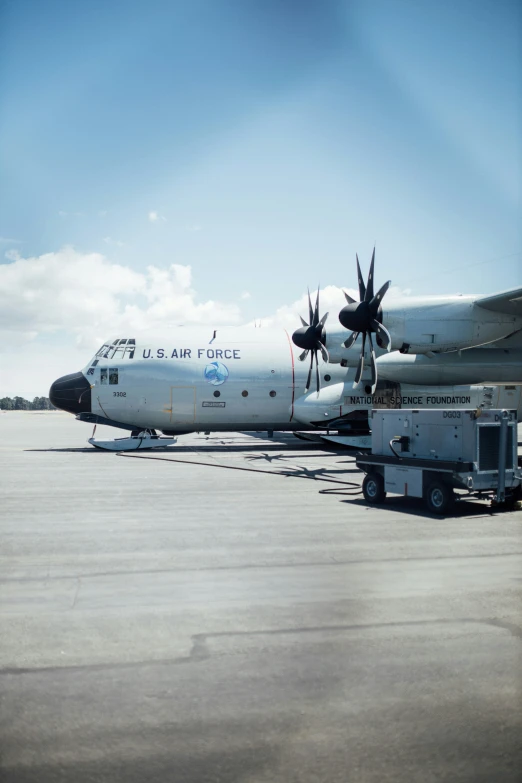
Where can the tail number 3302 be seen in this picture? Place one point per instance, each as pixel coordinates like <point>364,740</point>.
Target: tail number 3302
<point>119,394</point>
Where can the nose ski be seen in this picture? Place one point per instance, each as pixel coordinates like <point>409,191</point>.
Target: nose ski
<point>137,440</point>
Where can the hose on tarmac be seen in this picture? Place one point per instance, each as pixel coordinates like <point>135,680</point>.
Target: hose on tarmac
<point>351,487</point>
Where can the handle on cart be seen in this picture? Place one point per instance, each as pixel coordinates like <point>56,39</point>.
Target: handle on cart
<point>403,441</point>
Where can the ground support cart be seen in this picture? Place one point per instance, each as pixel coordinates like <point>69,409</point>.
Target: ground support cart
<point>430,454</point>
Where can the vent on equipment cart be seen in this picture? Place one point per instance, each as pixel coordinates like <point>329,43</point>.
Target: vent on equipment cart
<point>489,451</point>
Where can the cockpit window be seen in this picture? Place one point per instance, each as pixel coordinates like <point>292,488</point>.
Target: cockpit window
<point>113,376</point>
<point>126,348</point>
<point>123,347</point>
<point>103,375</point>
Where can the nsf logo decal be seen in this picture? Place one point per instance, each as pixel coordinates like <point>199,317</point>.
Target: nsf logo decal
<point>216,373</point>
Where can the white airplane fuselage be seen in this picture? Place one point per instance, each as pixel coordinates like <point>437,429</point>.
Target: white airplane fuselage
<point>243,379</point>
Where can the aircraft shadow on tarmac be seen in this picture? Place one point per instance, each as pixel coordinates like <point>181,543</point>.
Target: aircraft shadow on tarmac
<point>218,448</point>
<point>317,474</point>
<point>263,458</point>
<point>282,457</point>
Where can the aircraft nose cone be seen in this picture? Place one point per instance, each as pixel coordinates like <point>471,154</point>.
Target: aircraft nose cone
<point>71,393</point>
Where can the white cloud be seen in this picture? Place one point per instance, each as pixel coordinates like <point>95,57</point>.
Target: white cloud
<point>114,242</point>
<point>10,241</point>
<point>193,227</point>
<point>87,292</point>
<point>155,217</point>
<point>82,299</point>
<point>245,295</point>
<point>331,300</point>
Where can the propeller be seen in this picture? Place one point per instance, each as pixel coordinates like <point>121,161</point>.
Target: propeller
<point>310,336</point>
<point>364,317</point>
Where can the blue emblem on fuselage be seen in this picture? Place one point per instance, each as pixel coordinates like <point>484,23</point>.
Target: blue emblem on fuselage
<point>216,373</point>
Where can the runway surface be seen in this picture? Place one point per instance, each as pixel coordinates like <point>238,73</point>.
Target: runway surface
<point>164,620</point>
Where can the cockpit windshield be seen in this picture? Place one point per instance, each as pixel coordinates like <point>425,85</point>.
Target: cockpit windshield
<point>121,348</point>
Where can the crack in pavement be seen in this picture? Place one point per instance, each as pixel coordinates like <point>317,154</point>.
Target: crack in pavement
<point>200,650</point>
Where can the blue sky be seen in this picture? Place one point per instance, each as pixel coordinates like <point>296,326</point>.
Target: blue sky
<point>270,139</point>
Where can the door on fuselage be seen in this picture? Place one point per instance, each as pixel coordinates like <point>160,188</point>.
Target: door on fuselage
<point>182,409</point>
<point>109,391</point>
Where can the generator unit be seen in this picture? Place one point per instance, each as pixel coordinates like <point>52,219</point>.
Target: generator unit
<point>430,453</point>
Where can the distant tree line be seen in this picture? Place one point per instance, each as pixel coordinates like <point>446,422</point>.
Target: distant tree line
<point>20,404</point>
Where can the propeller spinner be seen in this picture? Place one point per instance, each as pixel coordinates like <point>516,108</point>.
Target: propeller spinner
<point>363,317</point>
<point>310,337</point>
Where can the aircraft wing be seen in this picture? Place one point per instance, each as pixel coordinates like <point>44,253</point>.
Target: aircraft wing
<point>506,302</point>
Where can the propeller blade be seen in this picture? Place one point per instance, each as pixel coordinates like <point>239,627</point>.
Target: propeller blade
<point>324,352</point>
<point>383,335</point>
<point>316,312</point>
<point>350,341</point>
<point>369,285</point>
<point>348,298</point>
<point>309,373</point>
<point>362,287</point>
<point>359,372</point>
<point>309,337</point>
<point>377,299</point>
<point>317,379</point>
<point>360,366</point>
<point>373,365</point>
<point>310,311</point>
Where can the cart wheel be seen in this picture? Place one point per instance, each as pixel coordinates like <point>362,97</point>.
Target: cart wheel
<point>513,499</point>
<point>373,488</point>
<point>439,497</point>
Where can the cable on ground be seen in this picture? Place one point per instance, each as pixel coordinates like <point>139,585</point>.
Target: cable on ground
<point>253,470</point>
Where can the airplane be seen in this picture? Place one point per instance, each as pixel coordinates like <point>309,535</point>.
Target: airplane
<point>239,379</point>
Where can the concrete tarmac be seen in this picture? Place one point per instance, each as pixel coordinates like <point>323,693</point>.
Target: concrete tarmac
<point>186,621</point>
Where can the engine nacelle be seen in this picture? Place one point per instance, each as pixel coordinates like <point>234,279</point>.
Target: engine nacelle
<point>442,323</point>
<point>476,365</point>
<point>320,406</point>
<point>429,325</point>
<point>342,407</point>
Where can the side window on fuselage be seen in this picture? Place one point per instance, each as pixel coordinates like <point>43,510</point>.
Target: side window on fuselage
<point>113,376</point>
<point>103,376</point>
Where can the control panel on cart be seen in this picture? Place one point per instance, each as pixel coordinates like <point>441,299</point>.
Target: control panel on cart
<point>432,453</point>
